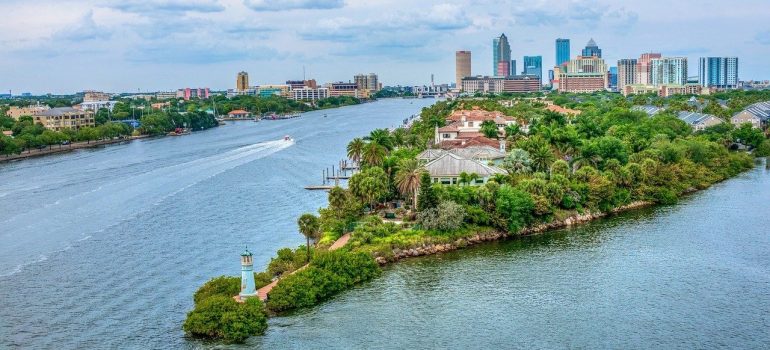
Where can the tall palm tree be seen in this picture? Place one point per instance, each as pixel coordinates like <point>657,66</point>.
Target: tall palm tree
<point>356,149</point>
<point>518,162</point>
<point>408,177</point>
<point>382,137</point>
<point>310,228</point>
<point>373,154</point>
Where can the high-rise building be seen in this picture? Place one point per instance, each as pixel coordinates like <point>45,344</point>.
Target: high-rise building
<point>366,82</point>
<point>513,67</point>
<point>462,67</point>
<point>501,56</point>
<point>583,74</point>
<point>242,82</point>
<point>668,70</point>
<point>562,51</point>
<point>718,72</point>
<point>592,49</point>
<point>643,73</point>
<point>612,78</point>
<point>533,65</point>
<point>626,73</point>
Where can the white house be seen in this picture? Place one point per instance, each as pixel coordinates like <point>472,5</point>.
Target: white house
<point>447,168</point>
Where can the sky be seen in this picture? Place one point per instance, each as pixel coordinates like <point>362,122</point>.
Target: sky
<point>66,46</point>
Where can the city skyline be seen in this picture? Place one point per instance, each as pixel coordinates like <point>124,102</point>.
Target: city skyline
<point>161,45</point>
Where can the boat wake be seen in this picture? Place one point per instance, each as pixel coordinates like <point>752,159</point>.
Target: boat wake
<point>42,231</point>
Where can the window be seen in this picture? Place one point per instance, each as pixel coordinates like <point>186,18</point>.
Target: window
<point>446,136</point>
<point>446,181</point>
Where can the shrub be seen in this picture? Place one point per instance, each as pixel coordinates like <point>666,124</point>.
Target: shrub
<point>515,206</point>
<point>227,286</point>
<point>447,216</point>
<point>221,317</point>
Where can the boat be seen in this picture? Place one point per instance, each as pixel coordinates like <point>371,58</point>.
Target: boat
<point>287,138</point>
<point>324,115</point>
<point>179,132</point>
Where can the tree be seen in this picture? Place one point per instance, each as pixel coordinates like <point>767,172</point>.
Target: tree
<point>489,129</point>
<point>356,149</point>
<point>381,137</point>
<point>370,185</point>
<point>448,216</point>
<point>515,206</point>
<point>310,228</point>
<point>512,130</point>
<point>408,178</point>
<point>427,198</point>
<point>221,317</point>
<point>373,154</point>
<point>517,162</point>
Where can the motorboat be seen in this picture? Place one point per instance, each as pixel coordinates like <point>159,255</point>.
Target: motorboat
<point>287,138</point>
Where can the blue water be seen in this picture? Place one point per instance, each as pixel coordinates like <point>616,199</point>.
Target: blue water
<point>103,248</point>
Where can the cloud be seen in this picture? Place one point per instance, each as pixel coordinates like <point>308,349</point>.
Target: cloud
<point>588,11</point>
<point>286,5</point>
<point>445,17</point>
<point>199,53</point>
<point>763,37</point>
<point>85,29</point>
<point>173,6</point>
<point>537,17</point>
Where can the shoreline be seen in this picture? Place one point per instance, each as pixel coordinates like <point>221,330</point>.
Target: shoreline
<point>65,149</point>
<point>496,235</point>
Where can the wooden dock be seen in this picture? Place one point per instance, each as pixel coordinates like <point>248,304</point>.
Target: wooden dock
<point>319,187</point>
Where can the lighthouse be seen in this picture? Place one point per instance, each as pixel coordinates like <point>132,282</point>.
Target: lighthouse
<point>247,276</point>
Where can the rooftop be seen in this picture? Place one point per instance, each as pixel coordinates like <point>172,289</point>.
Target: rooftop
<point>451,164</point>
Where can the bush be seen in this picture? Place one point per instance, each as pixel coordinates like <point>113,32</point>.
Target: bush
<point>328,274</point>
<point>227,286</point>
<point>447,216</point>
<point>221,317</point>
<point>515,206</point>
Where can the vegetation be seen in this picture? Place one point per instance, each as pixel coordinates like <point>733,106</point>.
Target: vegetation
<point>606,158</point>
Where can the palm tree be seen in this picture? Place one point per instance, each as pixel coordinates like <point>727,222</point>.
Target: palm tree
<point>356,149</point>
<point>518,162</point>
<point>373,154</point>
<point>381,137</point>
<point>408,177</point>
<point>310,228</point>
<point>542,157</point>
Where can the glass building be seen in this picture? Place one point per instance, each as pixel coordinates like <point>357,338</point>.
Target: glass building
<point>533,65</point>
<point>562,51</point>
<point>719,72</point>
<point>592,49</point>
<point>501,53</point>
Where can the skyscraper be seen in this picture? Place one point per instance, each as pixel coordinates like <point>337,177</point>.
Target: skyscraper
<point>513,67</point>
<point>462,67</point>
<point>643,72</point>
<point>626,73</point>
<point>242,81</point>
<point>592,49</point>
<point>562,51</point>
<point>719,72</point>
<point>533,65</point>
<point>501,56</point>
<point>612,78</point>
<point>668,70</point>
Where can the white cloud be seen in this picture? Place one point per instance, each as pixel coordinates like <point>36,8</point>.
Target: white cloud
<point>285,5</point>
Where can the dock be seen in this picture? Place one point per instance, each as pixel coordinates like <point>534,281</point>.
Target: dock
<point>331,179</point>
<point>319,187</point>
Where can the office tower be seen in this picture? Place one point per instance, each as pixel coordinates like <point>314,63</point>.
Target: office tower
<point>562,51</point>
<point>513,67</point>
<point>612,78</point>
<point>668,70</point>
<point>501,56</point>
<point>366,81</point>
<point>242,81</point>
<point>643,68</point>
<point>718,72</point>
<point>626,73</point>
<point>533,65</point>
<point>462,67</point>
<point>583,74</point>
<point>592,49</point>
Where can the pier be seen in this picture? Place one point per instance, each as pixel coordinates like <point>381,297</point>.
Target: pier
<point>331,179</point>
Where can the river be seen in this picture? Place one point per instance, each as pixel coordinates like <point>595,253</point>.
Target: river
<point>104,248</point>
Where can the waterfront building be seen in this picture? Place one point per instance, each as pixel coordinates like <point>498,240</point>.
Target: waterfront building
<point>309,94</point>
<point>189,93</point>
<point>583,74</point>
<point>562,51</point>
<point>718,72</point>
<point>501,56</point>
<point>242,81</point>
<point>346,89</point>
<point>533,65</point>
<point>496,85</point>
<point>668,70</point>
<point>699,121</point>
<point>64,118</point>
<point>93,96</point>
<point>612,78</point>
<point>592,49</point>
<point>18,112</point>
<point>367,82</point>
<point>758,115</point>
<point>447,168</point>
<point>462,67</point>
<point>238,114</point>
<point>626,73</point>
<point>248,287</point>
<point>643,71</point>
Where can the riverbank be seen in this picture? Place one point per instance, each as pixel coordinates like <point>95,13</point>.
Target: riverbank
<point>67,148</point>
